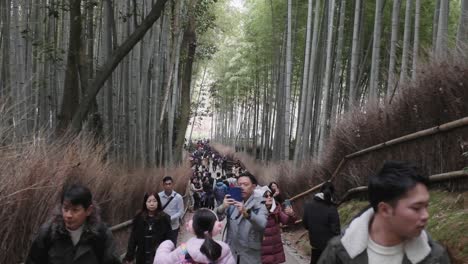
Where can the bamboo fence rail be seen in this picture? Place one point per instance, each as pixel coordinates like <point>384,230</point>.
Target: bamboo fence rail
<point>423,133</point>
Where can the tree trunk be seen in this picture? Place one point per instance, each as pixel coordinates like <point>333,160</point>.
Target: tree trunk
<point>199,98</point>
<point>326,88</point>
<point>311,87</point>
<point>5,84</point>
<point>462,34</point>
<point>393,45</point>
<point>435,23</point>
<point>416,39</point>
<point>354,55</point>
<point>375,66</point>
<point>190,38</point>
<point>111,64</point>
<point>406,43</point>
<point>338,67</point>
<point>108,47</point>
<point>175,88</point>
<point>442,30</point>
<point>71,91</point>
<point>287,87</point>
<point>305,78</point>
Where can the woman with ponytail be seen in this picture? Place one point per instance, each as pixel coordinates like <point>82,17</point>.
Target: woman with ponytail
<point>199,249</point>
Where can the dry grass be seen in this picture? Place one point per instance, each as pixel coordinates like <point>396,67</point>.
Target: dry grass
<point>437,97</point>
<point>32,177</point>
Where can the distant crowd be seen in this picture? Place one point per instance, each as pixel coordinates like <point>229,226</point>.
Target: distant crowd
<point>226,199</point>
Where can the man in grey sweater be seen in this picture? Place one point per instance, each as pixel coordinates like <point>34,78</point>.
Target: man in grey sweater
<point>246,221</point>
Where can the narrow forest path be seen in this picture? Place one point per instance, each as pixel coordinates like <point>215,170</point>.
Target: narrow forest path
<point>292,255</point>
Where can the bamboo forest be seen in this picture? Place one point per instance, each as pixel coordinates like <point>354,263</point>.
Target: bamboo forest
<point>117,95</point>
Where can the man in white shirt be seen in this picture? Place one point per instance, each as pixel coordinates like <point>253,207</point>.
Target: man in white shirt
<point>173,205</point>
<point>392,229</point>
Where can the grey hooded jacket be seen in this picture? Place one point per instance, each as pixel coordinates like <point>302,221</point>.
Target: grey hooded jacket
<point>245,236</point>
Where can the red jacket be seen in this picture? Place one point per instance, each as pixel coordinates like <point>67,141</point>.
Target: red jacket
<point>272,247</point>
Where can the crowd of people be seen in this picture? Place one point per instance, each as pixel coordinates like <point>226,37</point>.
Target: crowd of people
<point>390,230</point>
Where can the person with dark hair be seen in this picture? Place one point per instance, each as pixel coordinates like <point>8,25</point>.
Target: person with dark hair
<point>173,205</point>
<point>151,226</point>
<point>195,193</point>
<point>214,163</point>
<point>321,219</point>
<point>224,165</point>
<point>220,190</point>
<point>392,229</point>
<point>74,234</point>
<point>207,186</point>
<point>273,186</point>
<point>272,246</point>
<point>231,179</point>
<point>246,221</point>
<point>200,249</point>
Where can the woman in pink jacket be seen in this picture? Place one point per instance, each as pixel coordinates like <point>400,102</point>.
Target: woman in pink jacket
<point>200,249</point>
<point>272,246</point>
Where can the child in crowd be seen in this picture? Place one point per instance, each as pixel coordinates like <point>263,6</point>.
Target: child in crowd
<point>200,249</point>
<point>151,226</point>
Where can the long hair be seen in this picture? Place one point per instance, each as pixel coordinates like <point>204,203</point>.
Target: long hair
<point>144,210</point>
<point>271,184</point>
<point>203,223</point>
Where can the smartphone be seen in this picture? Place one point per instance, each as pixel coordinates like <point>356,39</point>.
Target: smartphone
<point>235,193</point>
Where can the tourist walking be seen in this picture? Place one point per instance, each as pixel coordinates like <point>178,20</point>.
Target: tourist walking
<point>272,246</point>
<point>173,206</point>
<point>150,227</point>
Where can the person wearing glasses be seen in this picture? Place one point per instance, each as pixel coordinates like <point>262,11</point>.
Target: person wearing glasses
<point>272,246</point>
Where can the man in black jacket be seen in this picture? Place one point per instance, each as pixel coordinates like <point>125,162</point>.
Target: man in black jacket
<point>322,220</point>
<point>75,235</point>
